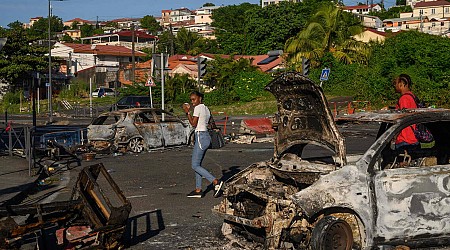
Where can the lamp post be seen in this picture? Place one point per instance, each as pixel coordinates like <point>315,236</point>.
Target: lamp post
<point>50,108</point>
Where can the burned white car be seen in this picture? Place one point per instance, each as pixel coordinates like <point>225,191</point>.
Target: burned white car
<point>138,129</point>
<point>381,198</point>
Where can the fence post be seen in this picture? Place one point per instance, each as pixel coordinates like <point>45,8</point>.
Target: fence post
<point>10,144</point>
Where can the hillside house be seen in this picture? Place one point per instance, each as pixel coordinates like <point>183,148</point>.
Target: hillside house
<point>362,9</point>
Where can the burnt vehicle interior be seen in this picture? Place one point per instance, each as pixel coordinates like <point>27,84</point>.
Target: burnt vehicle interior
<point>432,153</point>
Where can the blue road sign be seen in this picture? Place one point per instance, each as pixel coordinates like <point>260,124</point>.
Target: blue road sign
<point>325,74</point>
<point>47,84</point>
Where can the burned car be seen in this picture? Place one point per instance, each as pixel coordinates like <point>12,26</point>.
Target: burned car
<point>138,129</point>
<point>380,198</point>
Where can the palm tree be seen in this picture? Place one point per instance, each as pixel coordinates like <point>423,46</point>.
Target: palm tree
<point>186,40</point>
<point>328,31</point>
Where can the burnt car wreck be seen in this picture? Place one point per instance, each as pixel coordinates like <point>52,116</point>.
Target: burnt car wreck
<point>94,217</point>
<point>337,201</point>
<point>138,129</point>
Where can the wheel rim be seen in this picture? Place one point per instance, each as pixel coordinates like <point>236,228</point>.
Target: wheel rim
<point>338,236</point>
<point>136,145</point>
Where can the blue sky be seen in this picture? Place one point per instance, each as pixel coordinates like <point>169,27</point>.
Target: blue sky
<point>23,10</point>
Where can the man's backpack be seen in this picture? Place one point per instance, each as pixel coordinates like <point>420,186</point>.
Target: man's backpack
<point>421,132</point>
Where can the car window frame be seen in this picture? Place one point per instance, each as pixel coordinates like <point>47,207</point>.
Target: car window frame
<point>393,130</point>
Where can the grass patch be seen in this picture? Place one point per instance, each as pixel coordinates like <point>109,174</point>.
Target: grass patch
<point>262,106</point>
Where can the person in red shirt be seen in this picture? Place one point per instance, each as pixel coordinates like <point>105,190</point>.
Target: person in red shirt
<point>406,139</point>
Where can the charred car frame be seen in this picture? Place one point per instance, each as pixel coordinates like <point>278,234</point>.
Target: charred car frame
<point>341,202</point>
<point>138,129</point>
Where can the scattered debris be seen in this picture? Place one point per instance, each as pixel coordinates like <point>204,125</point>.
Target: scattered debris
<point>95,216</point>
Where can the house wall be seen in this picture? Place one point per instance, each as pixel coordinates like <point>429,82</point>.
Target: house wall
<point>433,11</point>
<point>367,36</point>
<point>180,15</point>
<point>431,27</point>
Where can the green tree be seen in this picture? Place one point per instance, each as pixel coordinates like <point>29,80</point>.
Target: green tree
<point>328,31</point>
<point>40,27</point>
<point>20,56</point>
<point>67,38</point>
<point>208,5</point>
<point>178,87</point>
<point>89,30</point>
<point>74,25</point>
<point>186,41</point>
<point>393,12</point>
<point>230,26</point>
<point>150,23</point>
<point>166,43</point>
<point>268,28</point>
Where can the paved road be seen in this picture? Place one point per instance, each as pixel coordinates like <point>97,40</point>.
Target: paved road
<point>156,183</point>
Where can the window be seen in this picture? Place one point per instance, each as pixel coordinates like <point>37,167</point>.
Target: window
<point>447,10</point>
<point>433,11</point>
<point>421,12</point>
<point>433,25</point>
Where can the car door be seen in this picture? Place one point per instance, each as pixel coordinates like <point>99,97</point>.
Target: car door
<point>174,130</point>
<point>103,128</point>
<point>149,129</point>
<point>412,202</point>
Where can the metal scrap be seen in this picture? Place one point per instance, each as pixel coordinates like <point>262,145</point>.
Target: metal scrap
<point>95,216</point>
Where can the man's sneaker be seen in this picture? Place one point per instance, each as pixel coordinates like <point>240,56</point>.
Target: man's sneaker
<point>217,189</point>
<point>195,194</point>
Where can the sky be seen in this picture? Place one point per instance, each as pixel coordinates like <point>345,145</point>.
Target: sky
<point>23,10</point>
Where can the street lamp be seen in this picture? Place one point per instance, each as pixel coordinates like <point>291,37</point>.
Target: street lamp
<point>50,108</point>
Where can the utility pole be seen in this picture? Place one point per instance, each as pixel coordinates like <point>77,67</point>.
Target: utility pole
<point>162,83</point>
<point>421,21</point>
<point>133,66</point>
<point>50,109</point>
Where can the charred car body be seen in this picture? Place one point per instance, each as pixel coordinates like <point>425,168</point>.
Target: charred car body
<point>328,203</point>
<point>138,129</point>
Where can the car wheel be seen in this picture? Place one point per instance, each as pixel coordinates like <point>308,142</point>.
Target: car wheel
<point>332,233</point>
<point>136,145</point>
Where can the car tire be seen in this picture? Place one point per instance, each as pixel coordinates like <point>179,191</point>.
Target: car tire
<point>136,145</point>
<point>332,233</point>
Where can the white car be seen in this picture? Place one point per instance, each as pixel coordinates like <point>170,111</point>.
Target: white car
<point>102,92</point>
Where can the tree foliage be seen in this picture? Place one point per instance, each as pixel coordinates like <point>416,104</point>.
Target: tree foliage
<point>89,30</point>
<point>21,55</point>
<point>186,41</point>
<point>420,55</point>
<point>150,23</point>
<point>40,27</point>
<point>330,30</point>
<point>393,12</point>
<point>230,26</point>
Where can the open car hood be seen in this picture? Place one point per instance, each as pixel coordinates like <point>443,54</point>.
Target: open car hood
<point>303,117</point>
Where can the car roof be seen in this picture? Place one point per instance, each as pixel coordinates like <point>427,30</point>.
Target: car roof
<point>122,111</point>
<point>396,116</point>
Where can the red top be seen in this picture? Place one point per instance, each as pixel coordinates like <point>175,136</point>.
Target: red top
<point>406,101</point>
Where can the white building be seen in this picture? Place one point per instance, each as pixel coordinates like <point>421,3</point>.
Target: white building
<point>265,3</point>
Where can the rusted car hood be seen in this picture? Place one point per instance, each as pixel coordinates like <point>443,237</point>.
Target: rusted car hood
<point>303,117</point>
